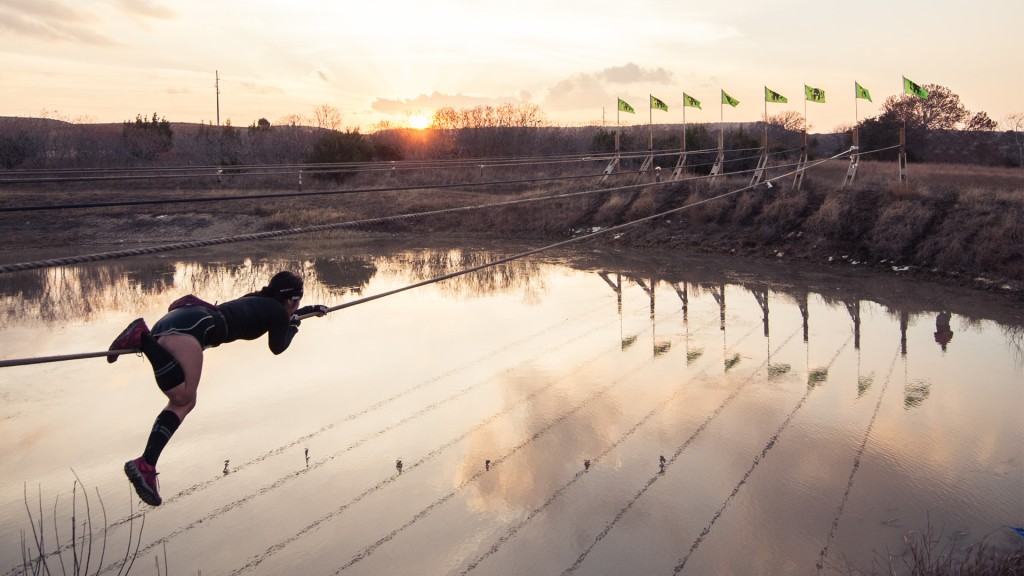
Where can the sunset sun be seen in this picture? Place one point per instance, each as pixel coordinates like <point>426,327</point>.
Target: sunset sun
<point>418,122</point>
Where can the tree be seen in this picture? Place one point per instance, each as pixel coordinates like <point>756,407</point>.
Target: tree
<point>144,139</point>
<point>788,120</point>
<point>13,150</point>
<point>981,122</point>
<point>1014,123</point>
<point>341,147</point>
<point>327,116</point>
<point>942,110</point>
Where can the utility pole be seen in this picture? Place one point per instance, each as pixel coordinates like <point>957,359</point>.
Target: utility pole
<point>216,75</point>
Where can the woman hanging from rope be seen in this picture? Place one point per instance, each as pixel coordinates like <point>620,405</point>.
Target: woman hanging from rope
<point>175,349</point>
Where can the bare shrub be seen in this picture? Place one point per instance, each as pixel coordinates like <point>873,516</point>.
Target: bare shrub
<point>748,205</point>
<point>785,210</point>
<point>900,227</point>
<point>648,202</point>
<point>74,553</point>
<point>981,232</point>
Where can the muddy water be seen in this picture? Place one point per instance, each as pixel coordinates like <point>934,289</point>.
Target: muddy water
<point>809,420</point>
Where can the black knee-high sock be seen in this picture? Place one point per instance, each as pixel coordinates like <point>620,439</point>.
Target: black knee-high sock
<point>166,370</point>
<point>166,423</point>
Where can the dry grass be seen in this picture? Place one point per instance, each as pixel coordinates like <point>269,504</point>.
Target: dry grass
<point>956,219</point>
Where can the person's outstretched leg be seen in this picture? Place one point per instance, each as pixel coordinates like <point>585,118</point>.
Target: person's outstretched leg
<point>177,361</point>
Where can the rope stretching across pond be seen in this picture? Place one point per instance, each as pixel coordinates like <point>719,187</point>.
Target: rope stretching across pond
<point>262,235</point>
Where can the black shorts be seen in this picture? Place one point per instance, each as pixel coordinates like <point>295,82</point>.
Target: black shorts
<point>196,321</point>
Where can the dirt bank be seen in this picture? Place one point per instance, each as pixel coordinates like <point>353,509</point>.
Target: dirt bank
<point>950,225</point>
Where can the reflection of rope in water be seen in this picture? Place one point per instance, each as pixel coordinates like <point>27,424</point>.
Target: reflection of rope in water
<point>561,490</point>
<point>434,453</point>
<point>369,409</point>
<point>367,551</point>
<point>675,456</point>
<point>856,466</point>
<point>757,460</point>
<point>429,408</point>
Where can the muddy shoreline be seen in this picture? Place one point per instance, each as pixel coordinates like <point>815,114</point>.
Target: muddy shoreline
<point>39,238</point>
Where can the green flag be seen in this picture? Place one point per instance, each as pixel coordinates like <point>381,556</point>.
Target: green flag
<point>814,94</point>
<point>773,96</point>
<point>726,99</point>
<point>861,92</point>
<point>912,88</point>
<point>658,104</point>
<point>691,102</point>
<point>625,107</point>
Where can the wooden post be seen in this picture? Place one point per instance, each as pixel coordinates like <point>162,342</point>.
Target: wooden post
<point>851,172</point>
<point>903,154</point>
<point>798,179</point>
<point>719,167</point>
<point>762,162</point>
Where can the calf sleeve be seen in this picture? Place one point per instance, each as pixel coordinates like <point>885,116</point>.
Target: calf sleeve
<point>166,423</point>
<point>166,369</point>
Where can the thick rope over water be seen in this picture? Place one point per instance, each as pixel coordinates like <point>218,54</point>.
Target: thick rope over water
<point>619,227</point>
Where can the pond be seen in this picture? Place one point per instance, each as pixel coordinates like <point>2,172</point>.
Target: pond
<point>574,412</point>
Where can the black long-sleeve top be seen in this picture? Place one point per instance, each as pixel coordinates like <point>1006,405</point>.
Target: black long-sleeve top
<point>250,317</point>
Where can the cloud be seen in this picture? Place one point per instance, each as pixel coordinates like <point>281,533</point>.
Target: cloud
<point>53,31</point>
<point>48,9</point>
<point>577,91</point>
<point>433,101</point>
<point>322,74</point>
<point>590,90</point>
<point>147,8</point>
<point>632,73</point>
<point>257,88</point>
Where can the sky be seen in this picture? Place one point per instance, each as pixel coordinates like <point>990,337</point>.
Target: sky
<point>398,61</point>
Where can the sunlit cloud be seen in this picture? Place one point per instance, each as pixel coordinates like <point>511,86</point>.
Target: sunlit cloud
<point>631,73</point>
<point>49,9</point>
<point>434,101</point>
<point>257,88</point>
<point>52,31</point>
<point>146,8</point>
<point>577,91</point>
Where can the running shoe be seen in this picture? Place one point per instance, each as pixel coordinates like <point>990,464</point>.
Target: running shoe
<point>143,477</point>
<point>129,338</point>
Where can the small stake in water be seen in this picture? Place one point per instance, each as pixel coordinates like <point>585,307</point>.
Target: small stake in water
<point>661,462</point>
<point>307,457</point>
<point>487,464</point>
<point>586,464</point>
<point>226,467</point>
<point>398,465</point>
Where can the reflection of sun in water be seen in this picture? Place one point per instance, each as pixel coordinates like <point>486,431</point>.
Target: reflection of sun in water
<point>418,122</point>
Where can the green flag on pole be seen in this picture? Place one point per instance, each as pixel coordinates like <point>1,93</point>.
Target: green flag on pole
<point>912,88</point>
<point>773,96</point>
<point>658,104</point>
<point>726,99</point>
<point>814,94</point>
<point>690,101</point>
<point>625,107</point>
<point>861,92</point>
